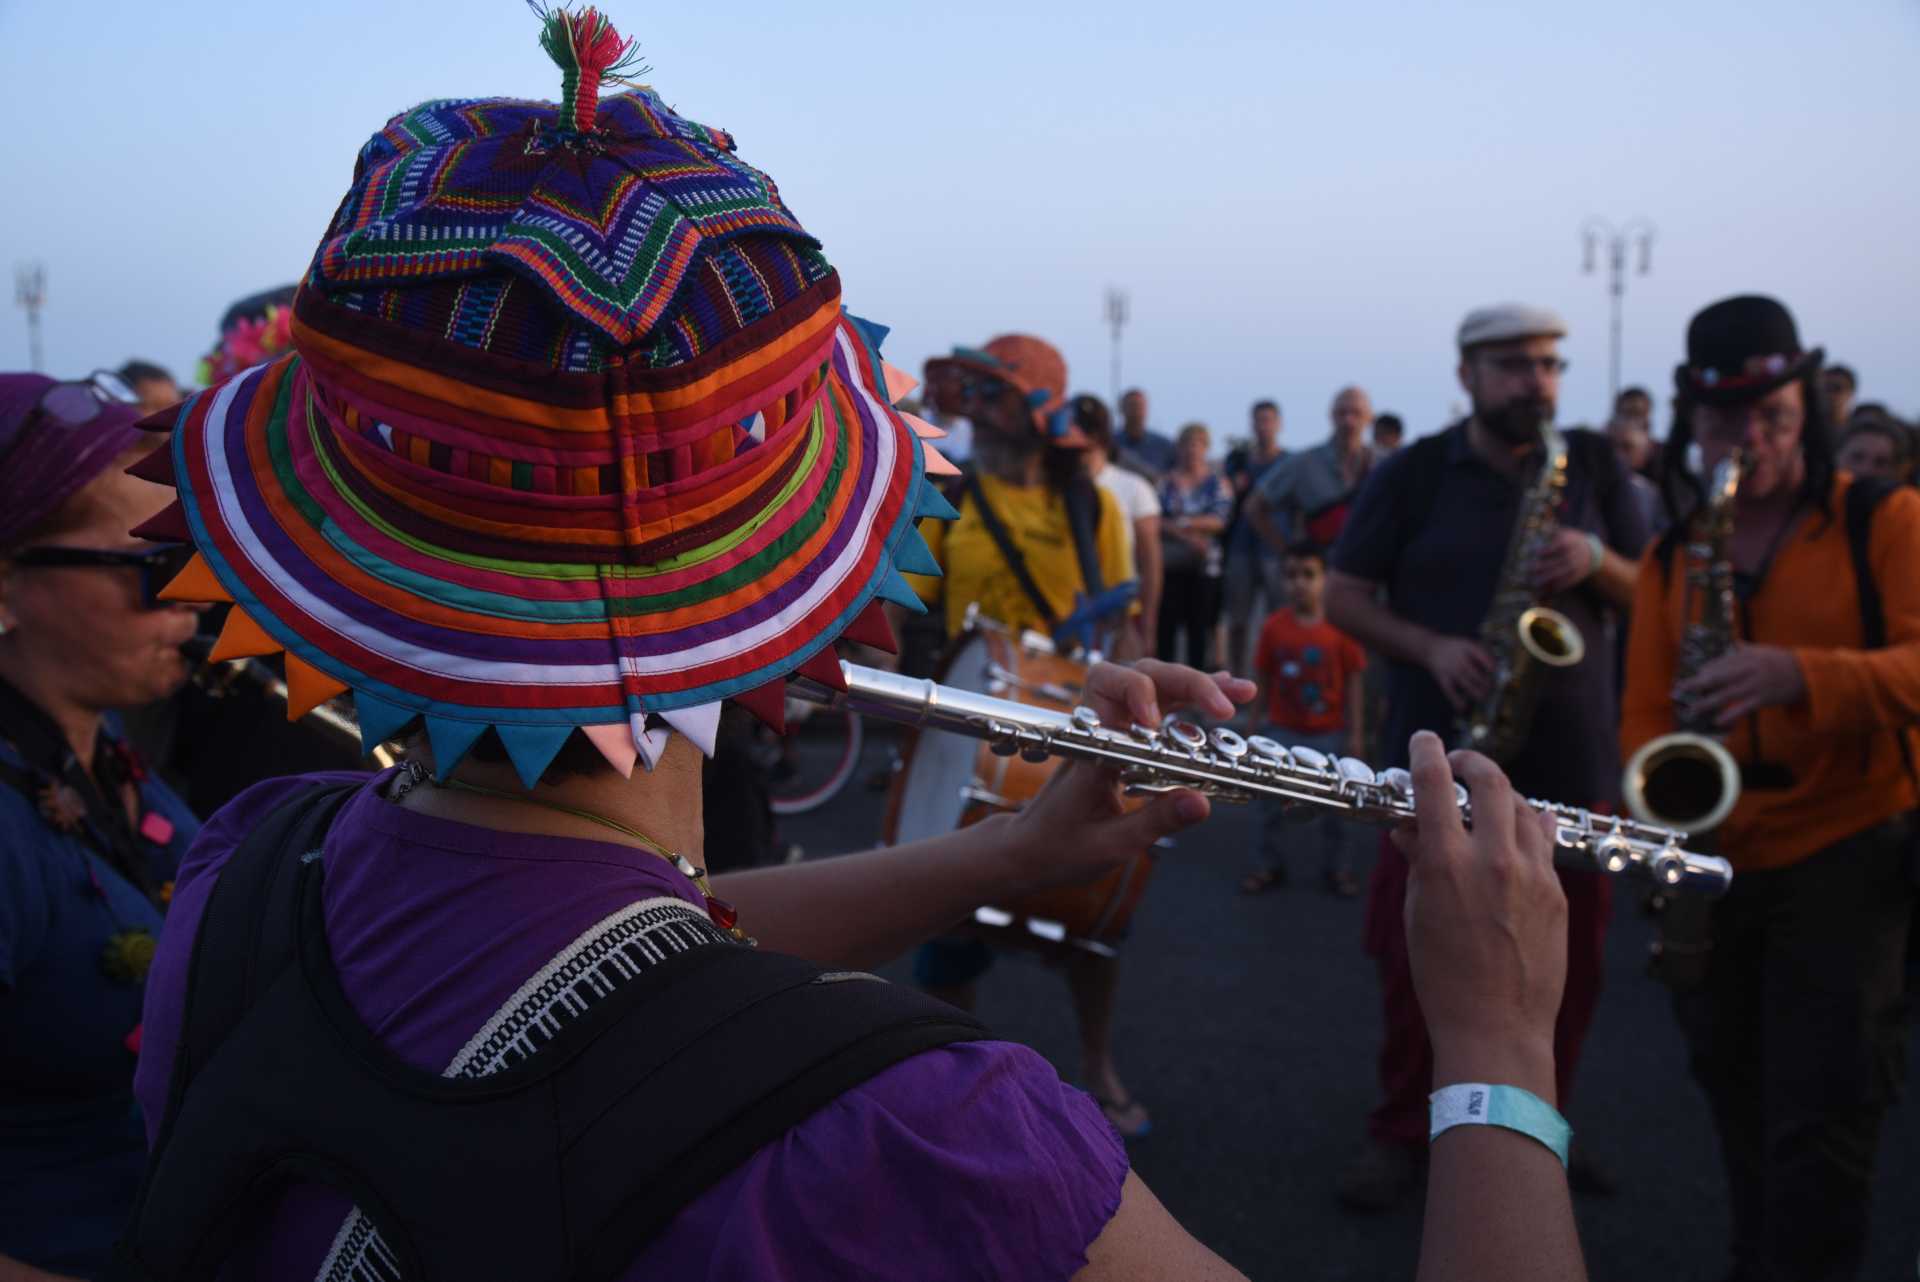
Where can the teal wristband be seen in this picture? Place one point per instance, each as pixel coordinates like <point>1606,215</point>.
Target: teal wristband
<point>1479,1104</point>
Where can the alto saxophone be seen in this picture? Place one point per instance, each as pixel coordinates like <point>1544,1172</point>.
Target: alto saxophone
<point>1524,637</point>
<point>1222,764</point>
<point>1688,780</point>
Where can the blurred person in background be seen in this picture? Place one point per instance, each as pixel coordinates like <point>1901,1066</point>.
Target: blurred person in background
<point>1792,1000</point>
<point>1413,578</point>
<point>1389,433</point>
<point>89,840</point>
<point>1140,448</point>
<point>1308,494</point>
<point>1139,504</point>
<point>1634,403</point>
<point>1634,447</point>
<point>1195,502</point>
<point>1252,578</point>
<point>153,387</point>
<point>1838,387</point>
<point>1875,448</point>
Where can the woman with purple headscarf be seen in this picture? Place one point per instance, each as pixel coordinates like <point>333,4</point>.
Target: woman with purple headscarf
<point>88,839</point>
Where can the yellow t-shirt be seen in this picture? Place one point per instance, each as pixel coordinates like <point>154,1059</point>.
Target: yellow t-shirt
<point>1036,520</point>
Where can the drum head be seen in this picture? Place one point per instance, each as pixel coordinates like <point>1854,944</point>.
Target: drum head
<point>942,764</point>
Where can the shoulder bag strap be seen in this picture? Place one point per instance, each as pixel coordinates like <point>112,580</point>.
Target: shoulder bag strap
<point>1009,553</point>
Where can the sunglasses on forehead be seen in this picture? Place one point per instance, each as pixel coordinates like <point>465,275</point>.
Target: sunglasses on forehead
<point>157,566</point>
<point>72,405</point>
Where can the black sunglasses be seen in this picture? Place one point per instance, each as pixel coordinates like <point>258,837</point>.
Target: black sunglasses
<point>158,566</point>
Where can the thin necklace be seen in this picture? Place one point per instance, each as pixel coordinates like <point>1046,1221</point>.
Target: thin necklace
<point>724,914</point>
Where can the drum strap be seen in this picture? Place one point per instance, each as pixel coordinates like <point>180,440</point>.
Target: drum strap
<point>1083,517</point>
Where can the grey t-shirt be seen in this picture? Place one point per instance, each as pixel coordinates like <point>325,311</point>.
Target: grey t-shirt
<point>1300,485</point>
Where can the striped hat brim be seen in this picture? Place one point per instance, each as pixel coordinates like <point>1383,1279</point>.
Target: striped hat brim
<point>555,591</point>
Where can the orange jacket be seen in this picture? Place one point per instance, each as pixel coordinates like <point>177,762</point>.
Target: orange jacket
<point>1839,743</point>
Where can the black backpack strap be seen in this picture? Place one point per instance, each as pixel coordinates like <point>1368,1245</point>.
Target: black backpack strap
<point>1863,498</point>
<point>997,531</point>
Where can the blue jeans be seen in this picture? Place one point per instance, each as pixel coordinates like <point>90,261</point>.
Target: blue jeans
<point>1326,832</point>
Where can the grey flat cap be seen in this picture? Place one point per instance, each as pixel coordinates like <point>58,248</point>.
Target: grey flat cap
<point>1504,322</point>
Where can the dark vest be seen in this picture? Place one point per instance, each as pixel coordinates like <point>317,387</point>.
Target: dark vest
<point>561,1165</point>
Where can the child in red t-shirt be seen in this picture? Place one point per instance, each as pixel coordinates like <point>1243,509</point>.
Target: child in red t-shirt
<point>1312,694</point>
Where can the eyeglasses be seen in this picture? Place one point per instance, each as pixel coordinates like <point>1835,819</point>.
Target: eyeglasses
<point>982,389</point>
<point>1516,365</point>
<point>1727,424</point>
<point>157,566</point>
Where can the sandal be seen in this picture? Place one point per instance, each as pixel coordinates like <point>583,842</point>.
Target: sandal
<point>1259,883</point>
<point>1127,1116</point>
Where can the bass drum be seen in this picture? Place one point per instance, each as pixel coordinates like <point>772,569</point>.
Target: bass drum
<point>947,781</point>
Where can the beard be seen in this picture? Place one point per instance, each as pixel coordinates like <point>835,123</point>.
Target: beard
<point>1518,421</point>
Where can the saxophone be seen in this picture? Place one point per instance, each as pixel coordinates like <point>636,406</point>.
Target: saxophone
<point>1524,637</point>
<point>1688,779</point>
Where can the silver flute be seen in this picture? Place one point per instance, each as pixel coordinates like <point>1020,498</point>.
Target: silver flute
<point>1226,766</point>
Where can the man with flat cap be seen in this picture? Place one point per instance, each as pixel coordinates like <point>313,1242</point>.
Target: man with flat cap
<point>1412,577</point>
<point>1793,1014</point>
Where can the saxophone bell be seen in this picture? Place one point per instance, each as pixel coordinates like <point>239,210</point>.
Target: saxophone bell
<point>1685,781</point>
<point>1551,638</point>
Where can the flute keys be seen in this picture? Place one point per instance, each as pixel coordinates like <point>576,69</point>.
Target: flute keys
<point>1229,744</point>
<point>1086,718</point>
<point>1354,770</point>
<point>1397,780</point>
<point>1308,759</point>
<point>1186,734</point>
<point>1268,751</point>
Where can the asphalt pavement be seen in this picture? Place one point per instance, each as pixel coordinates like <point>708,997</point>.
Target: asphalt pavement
<point>1249,1026</point>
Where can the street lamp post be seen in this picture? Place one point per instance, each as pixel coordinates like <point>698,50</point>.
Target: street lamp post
<point>1119,312</point>
<point>1598,232</point>
<point>30,292</point>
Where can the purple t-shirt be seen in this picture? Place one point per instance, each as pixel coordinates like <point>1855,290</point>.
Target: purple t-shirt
<point>970,1161</point>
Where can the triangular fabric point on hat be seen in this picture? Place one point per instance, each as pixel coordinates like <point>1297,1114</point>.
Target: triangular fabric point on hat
<point>161,420</point>
<point>938,463</point>
<point>874,332</point>
<point>923,429</point>
<point>242,638</point>
<point>900,384</point>
<point>897,590</point>
<point>156,467</point>
<point>649,743</point>
<point>767,702</point>
<point>929,501</point>
<point>824,667</point>
<point>308,687</point>
<point>532,748</point>
<point>379,720</point>
<point>196,585</point>
<point>169,525</point>
<point>451,738</point>
<point>699,724</point>
<point>615,742</point>
<point>870,627</point>
<point>913,556</point>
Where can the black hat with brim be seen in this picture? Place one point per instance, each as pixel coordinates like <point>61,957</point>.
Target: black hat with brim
<point>1741,348</point>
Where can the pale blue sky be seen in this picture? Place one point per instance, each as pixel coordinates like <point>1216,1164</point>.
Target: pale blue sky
<point>1296,196</point>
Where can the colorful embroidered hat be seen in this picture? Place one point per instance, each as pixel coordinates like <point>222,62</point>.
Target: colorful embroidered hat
<point>575,433</point>
<point>1032,366</point>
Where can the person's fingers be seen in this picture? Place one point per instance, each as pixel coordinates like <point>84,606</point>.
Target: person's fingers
<point>1179,686</point>
<point>1480,659</point>
<point>1435,808</point>
<point>1165,815</point>
<point>1731,714</point>
<point>1549,829</point>
<point>1486,783</point>
<point>1119,693</point>
<point>1238,689</point>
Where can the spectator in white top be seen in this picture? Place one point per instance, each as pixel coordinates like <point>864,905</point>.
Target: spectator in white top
<point>1138,501</point>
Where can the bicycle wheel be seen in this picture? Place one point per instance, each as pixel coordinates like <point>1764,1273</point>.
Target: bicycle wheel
<point>822,752</point>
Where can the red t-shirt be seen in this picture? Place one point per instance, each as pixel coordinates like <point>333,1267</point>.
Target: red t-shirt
<point>1305,667</point>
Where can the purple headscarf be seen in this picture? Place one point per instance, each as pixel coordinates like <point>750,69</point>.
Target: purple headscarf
<point>43,463</point>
